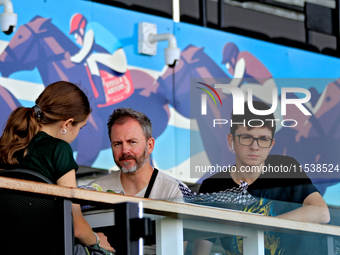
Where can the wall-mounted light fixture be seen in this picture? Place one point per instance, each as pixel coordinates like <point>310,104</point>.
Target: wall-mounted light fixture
<point>147,43</point>
<point>8,19</point>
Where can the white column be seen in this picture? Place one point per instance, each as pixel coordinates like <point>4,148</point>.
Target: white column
<point>253,243</point>
<point>169,236</point>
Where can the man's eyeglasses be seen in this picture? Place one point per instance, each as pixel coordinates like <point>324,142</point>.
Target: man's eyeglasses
<point>247,140</point>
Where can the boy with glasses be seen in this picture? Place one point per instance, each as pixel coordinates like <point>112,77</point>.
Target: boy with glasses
<point>269,180</point>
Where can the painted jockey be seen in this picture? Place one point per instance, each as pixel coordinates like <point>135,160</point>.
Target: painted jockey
<point>106,66</point>
<point>249,73</point>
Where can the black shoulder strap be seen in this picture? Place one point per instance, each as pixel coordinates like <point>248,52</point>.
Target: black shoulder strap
<point>151,182</point>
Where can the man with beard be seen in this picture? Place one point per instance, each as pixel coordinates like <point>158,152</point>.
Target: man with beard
<point>131,139</point>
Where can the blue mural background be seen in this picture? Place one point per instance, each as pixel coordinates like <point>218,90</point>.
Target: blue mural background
<point>164,93</point>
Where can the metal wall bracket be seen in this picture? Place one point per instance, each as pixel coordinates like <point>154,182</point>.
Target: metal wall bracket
<point>146,29</point>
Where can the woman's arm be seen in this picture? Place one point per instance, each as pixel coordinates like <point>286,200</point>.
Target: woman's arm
<point>82,230</point>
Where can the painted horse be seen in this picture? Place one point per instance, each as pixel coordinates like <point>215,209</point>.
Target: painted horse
<point>40,44</point>
<point>8,103</point>
<point>315,141</point>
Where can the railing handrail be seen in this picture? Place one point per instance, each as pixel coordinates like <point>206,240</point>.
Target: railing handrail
<point>171,209</point>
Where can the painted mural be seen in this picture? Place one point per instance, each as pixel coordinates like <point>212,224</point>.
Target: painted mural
<point>95,46</point>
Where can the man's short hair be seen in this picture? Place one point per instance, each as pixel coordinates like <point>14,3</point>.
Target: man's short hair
<point>121,115</point>
<point>264,120</point>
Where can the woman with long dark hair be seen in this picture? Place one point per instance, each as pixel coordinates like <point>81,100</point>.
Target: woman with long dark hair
<point>39,138</point>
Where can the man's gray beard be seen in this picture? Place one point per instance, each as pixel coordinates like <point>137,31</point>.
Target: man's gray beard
<point>137,166</point>
<point>128,171</point>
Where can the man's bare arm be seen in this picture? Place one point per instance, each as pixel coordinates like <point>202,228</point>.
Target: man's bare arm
<point>314,209</point>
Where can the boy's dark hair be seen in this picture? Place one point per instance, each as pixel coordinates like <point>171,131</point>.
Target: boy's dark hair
<point>264,120</point>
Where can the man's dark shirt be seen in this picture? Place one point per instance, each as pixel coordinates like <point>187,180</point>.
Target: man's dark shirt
<point>277,192</point>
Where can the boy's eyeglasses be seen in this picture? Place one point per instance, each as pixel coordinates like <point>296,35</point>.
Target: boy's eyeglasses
<point>247,140</point>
